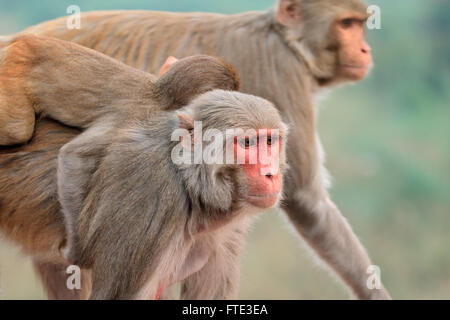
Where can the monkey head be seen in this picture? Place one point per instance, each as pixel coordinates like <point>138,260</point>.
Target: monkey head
<point>241,143</point>
<point>329,36</point>
<point>182,80</point>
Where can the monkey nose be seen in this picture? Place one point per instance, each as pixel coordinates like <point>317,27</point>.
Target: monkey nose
<point>366,48</point>
<point>269,171</point>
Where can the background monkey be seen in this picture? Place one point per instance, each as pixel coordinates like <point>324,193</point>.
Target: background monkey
<point>128,149</point>
<point>287,55</point>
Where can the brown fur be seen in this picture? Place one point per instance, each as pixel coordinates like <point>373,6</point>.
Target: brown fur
<point>287,65</point>
<point>29,210</point>
<point>36,69</point>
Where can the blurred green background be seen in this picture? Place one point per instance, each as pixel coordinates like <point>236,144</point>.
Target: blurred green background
<point>388,148</point>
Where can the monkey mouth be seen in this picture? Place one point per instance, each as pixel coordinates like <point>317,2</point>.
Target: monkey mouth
<point>263,201</point>
<point>349,66</point>
<point>264,196</point>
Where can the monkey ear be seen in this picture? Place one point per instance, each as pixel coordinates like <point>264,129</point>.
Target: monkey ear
<point>289,13</point>
<point>169,62</point>
<point>186,121</point>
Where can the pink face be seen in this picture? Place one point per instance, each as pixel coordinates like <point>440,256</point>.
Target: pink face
<point>355,58</point>
<point>259,157</point>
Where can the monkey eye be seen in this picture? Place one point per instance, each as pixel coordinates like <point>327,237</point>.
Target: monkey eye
<point>248,142</point>
<point>350,22</point>
<point>347,23</point>
<point>272,140</point>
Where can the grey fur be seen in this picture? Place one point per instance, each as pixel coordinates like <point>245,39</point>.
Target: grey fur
<point>137,219</point>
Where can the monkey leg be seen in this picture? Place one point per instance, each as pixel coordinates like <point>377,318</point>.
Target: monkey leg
<point>17,118</point>
<point>17,115</point>
<point>54,279</point>
<point>36,77</point>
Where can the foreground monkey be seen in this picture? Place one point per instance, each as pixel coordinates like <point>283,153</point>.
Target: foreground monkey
<point>287,55</point>
<point>142,223</point>
<point>133,218</point>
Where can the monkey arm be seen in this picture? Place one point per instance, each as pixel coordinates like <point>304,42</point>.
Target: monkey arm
<point>77,162</point>
<point>123,221</point>
<point>324,228</point>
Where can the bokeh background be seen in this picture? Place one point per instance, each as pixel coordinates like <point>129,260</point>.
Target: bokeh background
<point>388,149</point>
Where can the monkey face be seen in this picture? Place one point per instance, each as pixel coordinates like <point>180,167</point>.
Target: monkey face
<point>259,157</point>
<point>355,58</point>
<point>331,37</point>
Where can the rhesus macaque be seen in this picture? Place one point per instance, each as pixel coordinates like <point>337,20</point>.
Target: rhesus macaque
<point>184,222</point>
<point>35,69</point>
<point>112,200</point>
<point>287,55</point>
